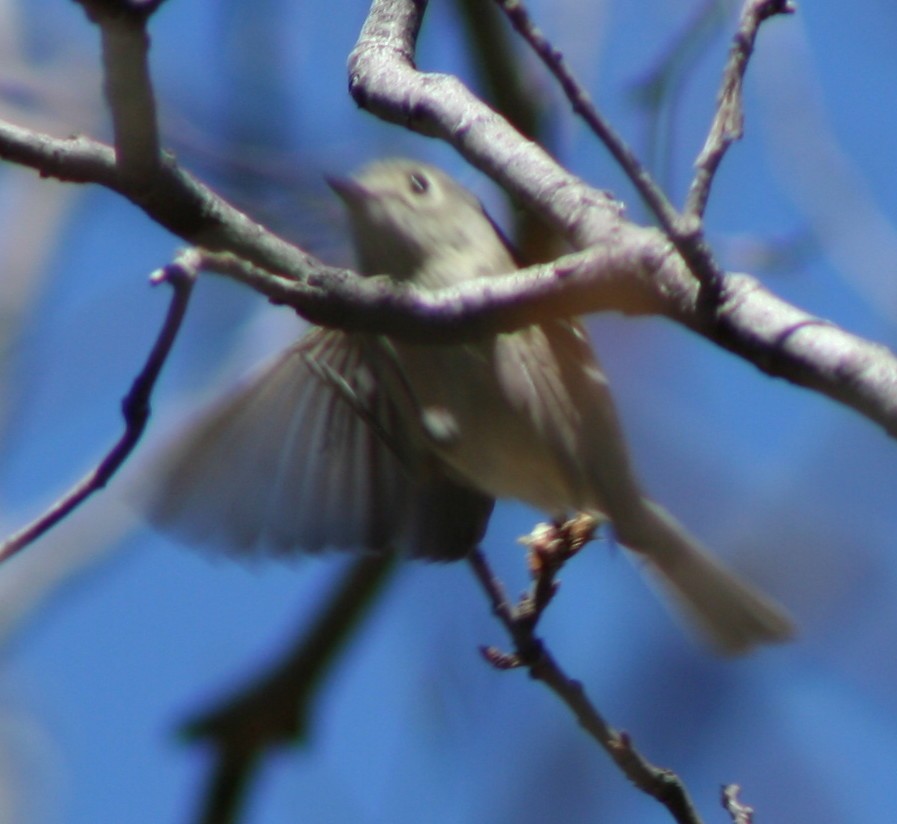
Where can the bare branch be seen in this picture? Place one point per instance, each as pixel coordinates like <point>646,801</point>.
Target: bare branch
<point>598,278</point>
<point>550,548</point>
<point>501,71</point>
<point>631,271</point>
<point>276,708</point>
<point>384,80</point>
<point>686,235</point>
<point>685,231</point>
<point>135,408</point>
<point>778,338</point>
<point>805,350</point>
<point>659,92</point>
<point>177,201</point>
<point>741,813</point>
<point>128,87</point>
<point>583,105</point>
<point>728,124</point>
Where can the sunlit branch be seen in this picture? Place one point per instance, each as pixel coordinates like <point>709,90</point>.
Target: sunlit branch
<point>728,123</point>
<point>128,87</point>
<point>740,812</point>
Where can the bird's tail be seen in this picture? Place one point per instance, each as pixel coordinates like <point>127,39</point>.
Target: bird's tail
<point>731,614</point>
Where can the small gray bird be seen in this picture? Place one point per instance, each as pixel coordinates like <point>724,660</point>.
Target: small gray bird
<point>366,442</point>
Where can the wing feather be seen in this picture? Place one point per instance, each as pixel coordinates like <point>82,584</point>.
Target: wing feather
<point>309,455</point>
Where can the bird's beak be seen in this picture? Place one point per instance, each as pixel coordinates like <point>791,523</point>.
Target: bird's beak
<point>349,191</point>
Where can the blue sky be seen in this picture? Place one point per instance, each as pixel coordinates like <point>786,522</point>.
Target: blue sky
<point>114,635</point>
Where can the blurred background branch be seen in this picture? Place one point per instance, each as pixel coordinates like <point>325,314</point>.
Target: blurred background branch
<point>180,275</point>
<point>276,708</point>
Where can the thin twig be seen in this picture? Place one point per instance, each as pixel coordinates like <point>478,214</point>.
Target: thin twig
<point>658,92</point>
<point>135,407</point>
<point>728,123</point>
<point>686,234</point>
<point>276,708</point>
<point>550,547</point>
<point>582,104</point>
<point>741,813</point>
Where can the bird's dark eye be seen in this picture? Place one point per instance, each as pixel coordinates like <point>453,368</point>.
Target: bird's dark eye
<point>419,183</point>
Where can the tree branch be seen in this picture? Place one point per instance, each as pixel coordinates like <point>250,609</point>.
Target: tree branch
<point>384,80</point>
<point>659,92</point>
<point>583,105</point>
<point>684,231</point>
<point>778,338</point>
<point>128,87</point>
<point>135,407</point>
<point>803,349</point>
<point>740,812</point>
<point>632,271</point>
<point>550,547</point>
<point>177,201</point>
<point>728,124</point>
<point>276,708</point>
